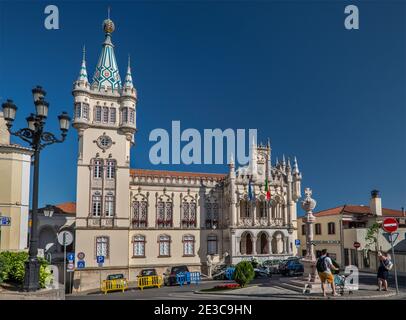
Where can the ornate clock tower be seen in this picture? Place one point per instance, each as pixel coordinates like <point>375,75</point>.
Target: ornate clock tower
<point>104,116</point>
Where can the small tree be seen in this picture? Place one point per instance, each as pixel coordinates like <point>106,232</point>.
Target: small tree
<point>371,238</point>
<point>244,273</point>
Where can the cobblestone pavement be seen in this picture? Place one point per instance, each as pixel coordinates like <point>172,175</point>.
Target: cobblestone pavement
<point>260,289</point>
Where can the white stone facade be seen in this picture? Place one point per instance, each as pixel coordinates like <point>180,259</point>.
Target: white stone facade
<point>149,218</point>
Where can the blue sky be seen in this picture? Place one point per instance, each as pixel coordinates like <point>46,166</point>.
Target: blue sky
<point>332,97</point>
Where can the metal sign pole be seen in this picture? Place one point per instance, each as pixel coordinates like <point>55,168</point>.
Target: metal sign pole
<point>394,264</point>
<point>64,261</point>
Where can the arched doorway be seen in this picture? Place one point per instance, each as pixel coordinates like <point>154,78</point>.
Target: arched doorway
<point>263,243</point>
<point>246,245</point>
<point>277,243</point>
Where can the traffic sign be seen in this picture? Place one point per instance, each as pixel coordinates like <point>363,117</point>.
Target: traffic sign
<point>297,242</point>
<point>71,267</point>
<point>357,245</point>
<point>390,225</point>
<point>81,264</point>
<point>81,255</point>
<point>100,259</point>
<point>71,256</point>
<point>391,237</point>
<point>68,238</point>
<point>5,221</point>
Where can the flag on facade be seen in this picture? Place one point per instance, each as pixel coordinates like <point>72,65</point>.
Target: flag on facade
<point>268,193</point>
<point>250,193</point>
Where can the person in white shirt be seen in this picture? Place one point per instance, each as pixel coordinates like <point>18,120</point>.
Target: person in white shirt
<point>324,266</point>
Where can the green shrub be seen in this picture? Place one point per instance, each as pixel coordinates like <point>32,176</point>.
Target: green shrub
<point>12,267</point>
<point>244,273</point>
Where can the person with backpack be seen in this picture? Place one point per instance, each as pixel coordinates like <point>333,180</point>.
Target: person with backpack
<point>385,265</point>
<point>324,266</point>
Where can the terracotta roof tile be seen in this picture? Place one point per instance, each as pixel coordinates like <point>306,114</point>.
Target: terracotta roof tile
<point>357,209</point>
<point>176,174</point>
<point>67,207</point>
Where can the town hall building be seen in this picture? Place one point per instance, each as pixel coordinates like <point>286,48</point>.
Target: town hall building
<point>138,218</point>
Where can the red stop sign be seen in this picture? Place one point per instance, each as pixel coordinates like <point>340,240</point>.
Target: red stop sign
<point>390,225</point>
<point>357,245</point>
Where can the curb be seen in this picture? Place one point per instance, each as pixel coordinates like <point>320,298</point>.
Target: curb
<point>303,297</point>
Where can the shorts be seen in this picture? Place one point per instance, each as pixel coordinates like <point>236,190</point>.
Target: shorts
<point>325,276</point>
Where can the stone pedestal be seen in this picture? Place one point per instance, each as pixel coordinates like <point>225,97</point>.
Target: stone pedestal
<point>312,283</point>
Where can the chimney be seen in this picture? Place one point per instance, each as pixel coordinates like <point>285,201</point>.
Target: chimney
<point>4,134</point>
<point>376,203</point>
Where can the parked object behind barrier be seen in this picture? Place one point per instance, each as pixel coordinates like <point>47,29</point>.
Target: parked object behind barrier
<point>149,281</point>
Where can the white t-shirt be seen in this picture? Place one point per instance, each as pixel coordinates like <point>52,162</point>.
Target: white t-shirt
<point>328,263</point>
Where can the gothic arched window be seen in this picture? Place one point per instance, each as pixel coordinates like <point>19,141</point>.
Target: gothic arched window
<point>85,111</point>
<point>124,115</point>
<point>188,214</point>
<point>140,214</point>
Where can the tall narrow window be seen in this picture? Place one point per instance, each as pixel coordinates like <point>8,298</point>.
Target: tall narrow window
<point>188,245</point>
<point>86,111</point>
<point>96,204</point>
<point>113,115</point>
<point>78,110</point>
<point>111,169</point>
<point>98,114</point>
<point>318,228</point>
<point>331,228</point>
<point>102,246</point>
<point>97,169</point>
<point>303,229</point>
<point>262,209</point>
<point>124,115</point>
<point>212,244</point>
<point>164,246</point>
<point>109,205</point>
<point>215,214</point>
<point>209,216</point>
<point>139,246</point>
<point>105,114</point>
<point>132,116</point>
<point>140,213</point>
<point>168,212</point>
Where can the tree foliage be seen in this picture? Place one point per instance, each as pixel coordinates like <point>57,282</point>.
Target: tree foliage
<point>12,268</point>
<point>244,273</point>
<point>371,237</point>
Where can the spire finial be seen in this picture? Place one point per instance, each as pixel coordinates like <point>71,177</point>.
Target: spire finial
<point>108,12</point>
<point>84,53</point>
<point>295,166</point>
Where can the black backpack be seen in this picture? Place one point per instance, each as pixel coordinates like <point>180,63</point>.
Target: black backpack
<point>321,265</point>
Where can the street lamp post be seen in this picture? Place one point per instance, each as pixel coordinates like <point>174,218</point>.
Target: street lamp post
<point>37,138</point>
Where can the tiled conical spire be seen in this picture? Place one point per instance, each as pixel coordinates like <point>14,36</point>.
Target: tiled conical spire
<point>107,74</point>
<point>128,81</point>
<point>83,71</point>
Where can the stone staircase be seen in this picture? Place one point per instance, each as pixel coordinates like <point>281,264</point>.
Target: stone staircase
<point>300,285</point>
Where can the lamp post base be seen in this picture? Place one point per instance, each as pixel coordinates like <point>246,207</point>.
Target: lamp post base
<point>31,278</point>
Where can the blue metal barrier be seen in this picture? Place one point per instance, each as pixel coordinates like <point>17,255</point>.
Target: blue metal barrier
<point>193,277</point>
<point>230,273</point>
<point>181,278</point>
<point>188,278</point>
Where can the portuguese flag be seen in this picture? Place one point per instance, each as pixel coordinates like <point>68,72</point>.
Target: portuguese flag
<point>268,193</point>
